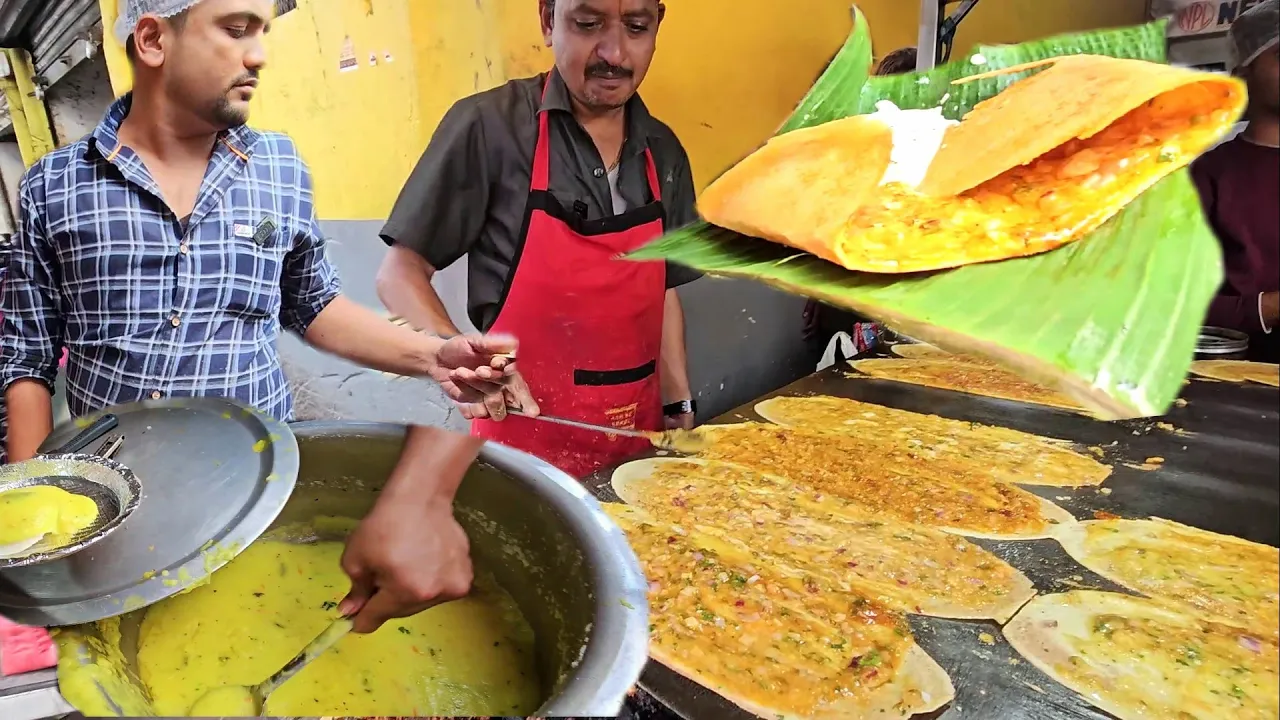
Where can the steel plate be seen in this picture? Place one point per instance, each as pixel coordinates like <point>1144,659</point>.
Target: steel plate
<point>1221,455</point>
<point>216,475</point>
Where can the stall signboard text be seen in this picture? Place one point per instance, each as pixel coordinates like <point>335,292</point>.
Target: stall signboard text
<point>1199,17</point>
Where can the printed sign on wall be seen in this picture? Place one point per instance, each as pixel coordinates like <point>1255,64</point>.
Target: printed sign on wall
<point>1199,17</point>
<point>347,58</point>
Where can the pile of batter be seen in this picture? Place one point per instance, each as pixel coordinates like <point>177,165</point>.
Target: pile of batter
<point>469,657</point>
<point>42,518</point>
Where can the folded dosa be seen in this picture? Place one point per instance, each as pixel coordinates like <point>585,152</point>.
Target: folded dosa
<point>1041,164</point>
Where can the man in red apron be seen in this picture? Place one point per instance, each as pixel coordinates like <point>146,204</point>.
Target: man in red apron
<point>542,183</point>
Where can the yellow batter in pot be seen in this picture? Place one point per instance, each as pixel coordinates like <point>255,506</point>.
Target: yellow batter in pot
<point>42,511</point>
<point>469,657</point>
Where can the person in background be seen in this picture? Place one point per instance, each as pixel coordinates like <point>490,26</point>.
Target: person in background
<point>821,321</point>
<point>541,183</point>
<point>1239,182</point>
<point>168,248</point>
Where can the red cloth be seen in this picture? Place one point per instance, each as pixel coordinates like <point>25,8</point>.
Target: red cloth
<point>1239,183</point>
<point>24,649</point>
<point>589,324</point>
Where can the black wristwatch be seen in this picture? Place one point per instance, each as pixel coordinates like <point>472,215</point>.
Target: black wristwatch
<point>683,407</point>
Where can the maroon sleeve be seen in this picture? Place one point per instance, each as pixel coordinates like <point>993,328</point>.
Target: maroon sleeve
<point>1237,312</point>
<point>1229,309</point>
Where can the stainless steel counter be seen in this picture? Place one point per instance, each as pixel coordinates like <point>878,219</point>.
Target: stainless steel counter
<point>32,696</point>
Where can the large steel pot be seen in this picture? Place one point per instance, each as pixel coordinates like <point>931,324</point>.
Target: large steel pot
<point>547,541</point>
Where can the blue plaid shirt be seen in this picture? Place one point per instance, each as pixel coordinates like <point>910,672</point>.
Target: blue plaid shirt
<point>146,307</point>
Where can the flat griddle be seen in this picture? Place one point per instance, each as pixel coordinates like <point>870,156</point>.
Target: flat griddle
<point>1221,472</point>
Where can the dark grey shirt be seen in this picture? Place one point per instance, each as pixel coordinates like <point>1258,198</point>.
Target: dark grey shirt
<point>468,192</point>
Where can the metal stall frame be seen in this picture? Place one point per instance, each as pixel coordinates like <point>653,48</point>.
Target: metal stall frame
<point>41,42</point>
<point>25,96</point>
<point>938,31</point>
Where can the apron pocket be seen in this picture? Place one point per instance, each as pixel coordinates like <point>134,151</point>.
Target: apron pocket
<point>601,378</point>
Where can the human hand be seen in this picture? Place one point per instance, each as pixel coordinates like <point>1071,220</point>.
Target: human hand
<point>403,559</point>
<point>479,373</point>
<point>679,422</point>
<point>1269,306</point>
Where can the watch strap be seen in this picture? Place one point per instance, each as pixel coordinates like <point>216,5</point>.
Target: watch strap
<point>681,407</point>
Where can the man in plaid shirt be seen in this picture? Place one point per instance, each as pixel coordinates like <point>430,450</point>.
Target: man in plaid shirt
<point>167,249</point>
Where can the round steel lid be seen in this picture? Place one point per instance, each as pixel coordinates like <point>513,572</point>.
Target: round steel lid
<point>1221,341</point>
<point>216,476</point>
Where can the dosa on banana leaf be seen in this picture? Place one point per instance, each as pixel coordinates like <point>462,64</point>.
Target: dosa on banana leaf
<point>1111,319</point>
<point>1041,164</point>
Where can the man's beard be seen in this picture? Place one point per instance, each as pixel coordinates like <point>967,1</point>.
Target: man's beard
<point>605,71</point>
<point>595,104</point>
<point>225,115</point>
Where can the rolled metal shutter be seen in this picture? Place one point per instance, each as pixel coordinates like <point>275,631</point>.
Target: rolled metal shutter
<point>55,27</point>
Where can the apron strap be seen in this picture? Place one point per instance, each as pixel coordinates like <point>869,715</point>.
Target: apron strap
<point>651,170</point>
<point>541,177</point>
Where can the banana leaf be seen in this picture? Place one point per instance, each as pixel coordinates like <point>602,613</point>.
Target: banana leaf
<point>1111,320</point>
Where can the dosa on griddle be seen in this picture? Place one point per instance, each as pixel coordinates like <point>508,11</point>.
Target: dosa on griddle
<point>1042,164</point>
<point>941,493</point>
<point>773,645</point>
<point>1238,371</point>
<point>1006,455</point>
<point>964,375</point>
<point>800,533</point>
<point>1139,659</point>
<point>1213,576</point>
<point>920,351</point>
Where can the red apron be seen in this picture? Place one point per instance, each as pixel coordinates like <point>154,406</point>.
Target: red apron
<point>589,326</point>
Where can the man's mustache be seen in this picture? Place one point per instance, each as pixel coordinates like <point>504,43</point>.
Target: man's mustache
<point>250,77</point>
<point>606,71</point>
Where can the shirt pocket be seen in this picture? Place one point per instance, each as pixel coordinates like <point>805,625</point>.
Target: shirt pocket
<point>254,264</point>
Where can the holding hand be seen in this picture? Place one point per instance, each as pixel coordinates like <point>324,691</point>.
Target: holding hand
<point>410,553</point>
<point>479,372</point>
<point>402,560</point>
<point>1269,308</point>
<point>679,422</point>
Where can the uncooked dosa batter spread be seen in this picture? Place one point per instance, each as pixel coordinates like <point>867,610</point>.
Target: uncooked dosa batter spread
<point>474,656</point>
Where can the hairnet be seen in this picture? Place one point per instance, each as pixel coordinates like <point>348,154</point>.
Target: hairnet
<point>1255,31</point>
<point>132,10</point>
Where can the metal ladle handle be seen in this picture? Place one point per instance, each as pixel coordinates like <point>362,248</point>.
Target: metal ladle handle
<point>87,436</point>
<point>337,630</point>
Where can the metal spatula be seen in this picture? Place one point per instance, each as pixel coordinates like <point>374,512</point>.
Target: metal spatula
<point>258,694</point>
<point>681,441</point>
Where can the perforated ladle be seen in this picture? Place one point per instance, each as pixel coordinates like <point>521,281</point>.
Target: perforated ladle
<point>112,488</point>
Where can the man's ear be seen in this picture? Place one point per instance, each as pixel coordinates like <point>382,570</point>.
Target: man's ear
<point>546,16</point>
<point>662,12</point>
<point>149,41</point>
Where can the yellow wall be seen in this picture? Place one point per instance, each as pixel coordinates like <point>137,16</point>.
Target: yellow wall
<point>362,130</point>
<point>726,74</point>
<point>895,23</point>
<point>1012,21</point>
